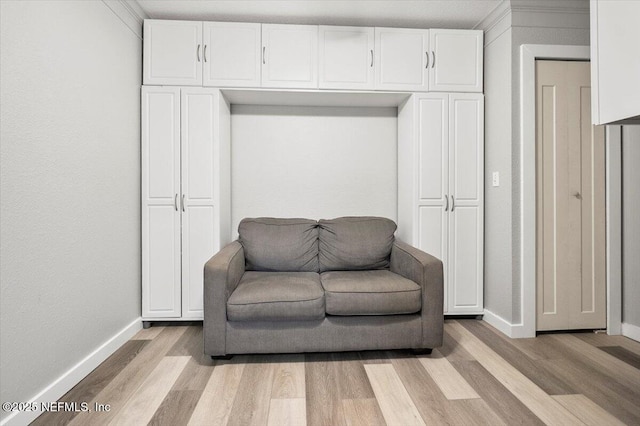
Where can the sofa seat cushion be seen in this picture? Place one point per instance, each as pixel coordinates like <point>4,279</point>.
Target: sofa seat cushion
<point>355,243</point>
<point>370,293</point>
<point>279,245</point>
<point>277,296</point>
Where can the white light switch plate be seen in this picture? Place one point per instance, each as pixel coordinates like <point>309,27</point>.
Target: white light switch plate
<point>496,178</point>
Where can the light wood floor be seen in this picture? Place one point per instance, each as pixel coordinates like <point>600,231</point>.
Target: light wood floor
<point>479,376</point>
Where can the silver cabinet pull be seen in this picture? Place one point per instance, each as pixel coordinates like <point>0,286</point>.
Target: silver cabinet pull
<point>427,53</point>
<point>453,203</point>
<point>198,53</point>
<point>182,202</point>
<point>204,53</point>
<point>371,58</point>
<point>175,202</point>
<point>433,63</point>
<point>264,48</point>
<point>446,207</point>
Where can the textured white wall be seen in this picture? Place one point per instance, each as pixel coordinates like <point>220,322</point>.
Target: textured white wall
<point>313,162</point>
<point>497,157</point>
<point>70,173</point>
<point>631,225</point>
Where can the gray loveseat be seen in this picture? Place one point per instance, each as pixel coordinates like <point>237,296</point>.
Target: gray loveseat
<point>300,285</point>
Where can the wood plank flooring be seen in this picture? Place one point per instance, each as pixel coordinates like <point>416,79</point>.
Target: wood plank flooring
<point>479,376</point>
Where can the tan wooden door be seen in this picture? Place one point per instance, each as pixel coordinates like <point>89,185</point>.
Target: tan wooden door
<point>570,223</point>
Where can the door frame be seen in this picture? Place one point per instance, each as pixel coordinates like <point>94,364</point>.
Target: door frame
<point>528,55</point>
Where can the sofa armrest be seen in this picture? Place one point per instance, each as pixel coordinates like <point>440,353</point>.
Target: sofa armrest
<point>425,270</point>
<point>222,274</point>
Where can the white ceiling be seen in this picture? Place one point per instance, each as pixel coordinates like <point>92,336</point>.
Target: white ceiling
<point>462,14</point>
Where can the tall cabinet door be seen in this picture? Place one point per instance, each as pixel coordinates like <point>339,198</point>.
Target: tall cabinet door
<point>456,61</point>
<point>466,160</point>
<point>290,56</point>
<point>199,109</point>
<point>172,53</point>
<point>346,57</point>
<point>160,203</point>
<point>401,57</point>
<point>231,54</point>
<point>433,175</point>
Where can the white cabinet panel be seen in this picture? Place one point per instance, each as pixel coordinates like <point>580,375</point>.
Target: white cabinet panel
<point>290,56</point>
<point>464,284</point>
<point>198,245</point>
<point>433,144</point>
<point>466,113</point>
<point>401,59</point>
<point>456,61</point>
<point>160,188</point>
<point>198,195</point>
<point>231,54</point>
<point>346,57</point>
<point>172,53</point>
<point>443,164</point>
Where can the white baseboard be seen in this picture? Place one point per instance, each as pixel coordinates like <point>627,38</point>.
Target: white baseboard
<point>74,375</point>
<point>514,331</point>
<point>631,331</point>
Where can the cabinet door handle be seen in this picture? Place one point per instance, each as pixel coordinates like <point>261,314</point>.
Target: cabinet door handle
<point>182,202</point>
<point>446,206</point>
<point>453,203</point>
<point>264,48</point>
<point>371,58</point>
<point>198,53</point>
<point>427,53</point>
<point>175,202</point>
<point>433,63</point>
<point>204,53</point>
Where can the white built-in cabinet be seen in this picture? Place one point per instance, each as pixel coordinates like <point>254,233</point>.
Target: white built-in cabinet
<point>232,54</point>
<point>186,138</point>
<point>401,59</point>
<point>456,61</point>
<point>290,56</point>
<point>185,151</point>
<point>440,189</point>
<point>172,53</point>
<point>346,56</point>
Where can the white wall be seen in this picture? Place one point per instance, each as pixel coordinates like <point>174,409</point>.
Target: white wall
<point>313,162</point>
<point>497,157</point>
<point>70,173</point>
<point>631,225</point>
<point>517,22</point>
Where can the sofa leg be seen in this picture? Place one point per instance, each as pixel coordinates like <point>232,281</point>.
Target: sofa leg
<point>219,357</point>
<point>422,351</point>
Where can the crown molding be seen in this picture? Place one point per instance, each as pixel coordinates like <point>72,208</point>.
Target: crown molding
<point>129,12</point>
<point>494,17</point>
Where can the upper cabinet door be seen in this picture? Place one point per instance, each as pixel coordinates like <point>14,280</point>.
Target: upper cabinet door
<point>172,53</point>
<point>231,54</point>
<point>401,59</point>
<point>346,57</point>
<point>290,56</point>
<point>456,61</point>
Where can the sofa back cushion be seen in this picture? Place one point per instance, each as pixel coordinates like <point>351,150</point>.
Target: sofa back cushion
<point>284,245</point>
<point>355,243</point>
